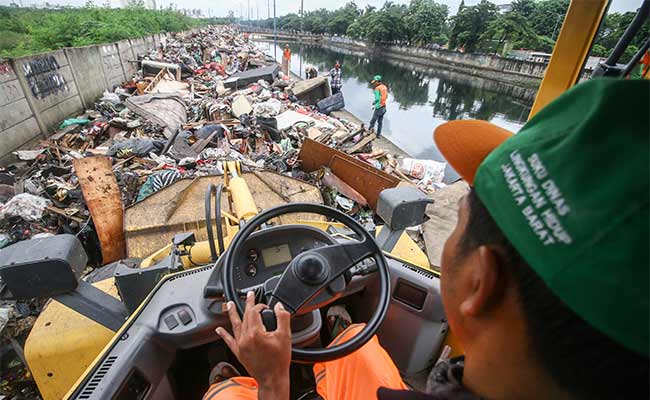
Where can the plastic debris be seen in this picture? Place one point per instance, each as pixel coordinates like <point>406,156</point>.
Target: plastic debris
<point>73,121</point>
<point>428,171</point>
<point>344,203</point>
<point>25,205</point>
<point>4,317</point>
<point>139,147</point>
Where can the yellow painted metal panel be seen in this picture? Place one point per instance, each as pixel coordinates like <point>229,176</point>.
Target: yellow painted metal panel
<point>571,49</point>
<point>407,250</point>
<point>63,344</point>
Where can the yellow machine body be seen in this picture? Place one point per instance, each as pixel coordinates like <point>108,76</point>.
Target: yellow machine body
<point>63,344</point>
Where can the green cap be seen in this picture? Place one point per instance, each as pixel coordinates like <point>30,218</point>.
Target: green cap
<point>570,191</point>
<point>376,78</point>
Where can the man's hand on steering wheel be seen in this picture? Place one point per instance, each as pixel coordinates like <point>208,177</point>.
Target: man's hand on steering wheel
<point>265,355</point>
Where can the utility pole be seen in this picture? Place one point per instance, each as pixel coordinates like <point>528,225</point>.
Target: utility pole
<point>268,9</point>
<point>275,35</point>
<point>249,12</point>
<point>557,21</point>
<point>302,28</point>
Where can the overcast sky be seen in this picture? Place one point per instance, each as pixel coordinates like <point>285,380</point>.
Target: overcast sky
<point>221,7</point>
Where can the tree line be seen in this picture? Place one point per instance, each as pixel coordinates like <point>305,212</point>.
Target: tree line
<point>29,30</point>
<point>480,28</point>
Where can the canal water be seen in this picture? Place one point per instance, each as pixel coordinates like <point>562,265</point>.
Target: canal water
<point>419,98</point>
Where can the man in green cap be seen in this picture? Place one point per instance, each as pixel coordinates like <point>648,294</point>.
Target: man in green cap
<point>544,280</point>
<point>378,104</point>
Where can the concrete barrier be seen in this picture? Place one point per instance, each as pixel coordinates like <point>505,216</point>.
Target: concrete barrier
<point>139,47</point>
<point>87,69</point>
<point>112,65</point>
<point>126,57</point>
<point>37,92</point>
<point>148,42</point>
<point>18,126</point>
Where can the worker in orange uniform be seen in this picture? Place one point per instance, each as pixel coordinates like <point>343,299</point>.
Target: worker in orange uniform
<point>379,104</point>
<point>645,61</point>
<point>286,59</point>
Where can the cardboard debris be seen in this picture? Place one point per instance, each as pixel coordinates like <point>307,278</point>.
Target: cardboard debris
<point>289,118</point>
<point>241,106</point>
<point>313,133</point>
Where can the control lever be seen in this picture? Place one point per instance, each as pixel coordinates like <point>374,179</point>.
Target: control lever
<point>269,320</point>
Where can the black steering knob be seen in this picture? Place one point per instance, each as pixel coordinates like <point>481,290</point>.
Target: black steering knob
<point>311,268</point>
<point>269,320</point>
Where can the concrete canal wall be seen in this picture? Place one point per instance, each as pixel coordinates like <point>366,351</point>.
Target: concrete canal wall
<point>516,72</point>
<point>38,91</point>
<point>525,74</point>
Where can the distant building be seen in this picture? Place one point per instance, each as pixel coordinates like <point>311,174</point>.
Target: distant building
<point>504,8</point>
<point>151,4</point>
<point>540,57</point>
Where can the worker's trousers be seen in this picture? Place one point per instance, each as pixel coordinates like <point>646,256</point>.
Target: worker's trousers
<point>378,116</point>
<point>356,376</point>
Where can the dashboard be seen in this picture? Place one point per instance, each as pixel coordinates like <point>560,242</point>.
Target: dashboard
<point>184,309</point>
<point>268,255</point>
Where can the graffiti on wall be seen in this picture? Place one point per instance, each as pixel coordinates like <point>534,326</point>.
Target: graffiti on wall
<point>43,77</point>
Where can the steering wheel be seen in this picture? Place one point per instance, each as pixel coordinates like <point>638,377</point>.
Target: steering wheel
<point>310,272</point>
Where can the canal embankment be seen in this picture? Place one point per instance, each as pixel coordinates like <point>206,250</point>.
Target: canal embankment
<point>521,73</point>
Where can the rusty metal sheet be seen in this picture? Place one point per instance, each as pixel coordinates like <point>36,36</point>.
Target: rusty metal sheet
<point>363,177</point>
<point>102,196</point>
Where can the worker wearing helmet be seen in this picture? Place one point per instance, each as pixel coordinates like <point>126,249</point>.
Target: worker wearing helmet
<point>378,104</point>
<point>544,280</point>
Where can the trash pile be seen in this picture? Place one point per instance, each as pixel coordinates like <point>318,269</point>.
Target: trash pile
<point>196,101</point>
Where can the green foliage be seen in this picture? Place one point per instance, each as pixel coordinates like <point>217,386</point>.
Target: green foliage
<point>342,18</point>
<point>525,8</point>
<point>612,29</point>
<point>599,51</point>
<point>427,22</point>
<point>547,16</point>
<point>530,24</point>
<point>30,30</point>
<point>510,27</point>
<point>469,25</point>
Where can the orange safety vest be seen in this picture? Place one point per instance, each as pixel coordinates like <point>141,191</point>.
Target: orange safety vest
<point>287,53</point>
<point>645,61</point>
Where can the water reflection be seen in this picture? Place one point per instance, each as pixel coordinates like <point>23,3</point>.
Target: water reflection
<point>420,98</point>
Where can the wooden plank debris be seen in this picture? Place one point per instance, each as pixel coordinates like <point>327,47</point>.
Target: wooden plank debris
<point>102,195</point>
